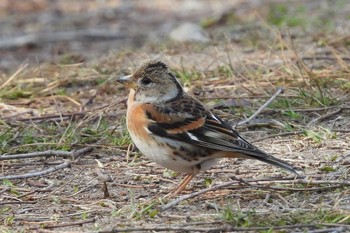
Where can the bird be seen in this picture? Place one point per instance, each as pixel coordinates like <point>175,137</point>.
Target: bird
<point>175,130</point>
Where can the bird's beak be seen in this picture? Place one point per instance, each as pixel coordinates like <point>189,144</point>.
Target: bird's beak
<point>127,81</point>
<point>124,79</point>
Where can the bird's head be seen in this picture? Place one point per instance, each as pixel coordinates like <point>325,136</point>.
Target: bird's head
<point>153,82</point>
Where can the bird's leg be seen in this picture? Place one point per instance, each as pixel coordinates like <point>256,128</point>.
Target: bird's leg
<point>184,183</point>
<point>187,179</point>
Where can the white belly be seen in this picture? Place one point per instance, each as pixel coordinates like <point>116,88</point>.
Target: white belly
<point>164,156</point>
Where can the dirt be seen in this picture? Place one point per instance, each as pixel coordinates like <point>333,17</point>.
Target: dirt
<point>246,60</point>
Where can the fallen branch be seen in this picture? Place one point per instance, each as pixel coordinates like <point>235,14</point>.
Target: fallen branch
<point>343,158</point>
<point>41,173</point>
<point>222,228</point>
<point>66,116</point>
<point>5,190</point>
<point>277,188</point>
<point>325,58</point>
<point>17,202</point>
<point>330,230</point>
<point>323,117</point>
<point>69,224</point>
<point>304,181</point>
<point>262,123</point>
<point>278,135</point>
<point>48,153</point>
<point>335,184</point>
<point>341,130</point>
<point>67,163</point>
<point>192,195</point>
<point>279,91</point>
<point>344,107</point>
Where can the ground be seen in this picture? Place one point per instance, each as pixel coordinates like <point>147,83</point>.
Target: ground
<point>60,94</point>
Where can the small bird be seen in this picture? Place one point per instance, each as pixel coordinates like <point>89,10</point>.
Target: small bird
<point>176,131</point>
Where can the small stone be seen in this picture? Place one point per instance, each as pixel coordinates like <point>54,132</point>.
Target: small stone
<point>188,32</point>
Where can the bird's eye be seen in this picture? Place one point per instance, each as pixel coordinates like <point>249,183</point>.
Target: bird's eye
<point>146,81</point>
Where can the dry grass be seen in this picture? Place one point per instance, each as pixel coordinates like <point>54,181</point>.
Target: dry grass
<point>73,105</point>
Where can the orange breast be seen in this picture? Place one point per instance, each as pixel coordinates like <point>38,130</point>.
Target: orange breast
<point>136,119</point>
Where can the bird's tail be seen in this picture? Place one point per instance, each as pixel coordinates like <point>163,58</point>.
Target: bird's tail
<point>263,157</point>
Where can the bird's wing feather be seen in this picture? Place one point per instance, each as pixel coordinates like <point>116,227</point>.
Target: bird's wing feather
<point>188,121</point>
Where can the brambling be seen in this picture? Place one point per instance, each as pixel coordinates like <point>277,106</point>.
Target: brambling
<point>176,131</point>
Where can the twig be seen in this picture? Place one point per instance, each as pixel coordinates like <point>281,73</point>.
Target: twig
<point>330,230</point>
<point>73,154</point>
<point>87,188</point>
<point>17,202</point>
<point>247,182</point>
<point>303,181</point>
<point>41,173</point>
<point>48,153</point>
<point>262,122</point>
<point>341,130</point>
<point>88,101</point>
<point>343,157</point>
<point>192,195</point>
<point>335,225</point>
<point>278,135</point>
<point>104,178</point>
<point>5,190</point>
<point>343,107</point>
<point>244,97</point>
<point>222,228</point>
<point>279,91</point>
<point>50,117</point>
<point>68,224</point>
<point>276,188</point>
<point>313,121</point>
<point>20,69</point>
<point>130,186</point>
<point>64,185</point>
<point>47,189</point>
<point>324,58</point>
